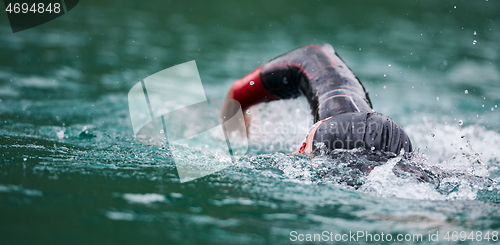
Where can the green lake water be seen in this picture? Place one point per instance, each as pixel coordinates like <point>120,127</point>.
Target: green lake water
<point>71,171</point>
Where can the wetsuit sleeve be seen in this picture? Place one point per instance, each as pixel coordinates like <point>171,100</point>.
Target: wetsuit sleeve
<point>250,91</point>
<point>312,70</point>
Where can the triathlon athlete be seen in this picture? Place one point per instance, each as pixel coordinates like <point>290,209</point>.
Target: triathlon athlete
<point>342,110</point>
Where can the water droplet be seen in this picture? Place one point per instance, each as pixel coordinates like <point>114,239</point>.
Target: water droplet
<point>248,111</point>
<point>463,136</point>
<point>475,33</point>
<point>389,65</point>
<point>432,135</point>
<point>466,91</point>
<point>252,82</point>
<point>359,49</point>
<point>60,134</point>
<point>454,7</point>
<point>385,75</point>
<point>492,109</point>
<point>25,159</point>
<point>460,122</point>
<point>437,98</point>
<point>482,105</point>
<point>161,131</point>
<point>372,148</point>
<point>474,42</point>
<point>495,106</point>
<point>385,87</point>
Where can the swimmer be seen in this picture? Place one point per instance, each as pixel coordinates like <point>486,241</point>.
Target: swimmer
<point>343,114</point>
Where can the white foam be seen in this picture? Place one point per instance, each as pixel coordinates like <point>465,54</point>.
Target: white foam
<point>467,153</point>
<point>147,198</point>
<point>469,149</point>
<point>384,182</point>
<point>120,215</point>
<point>19,189</point>
<point>280,126</point>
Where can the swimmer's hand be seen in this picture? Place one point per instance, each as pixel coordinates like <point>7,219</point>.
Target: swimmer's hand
<point>230,108</point>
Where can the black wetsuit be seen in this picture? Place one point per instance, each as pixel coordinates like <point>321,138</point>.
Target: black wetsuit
<point>339,102</point>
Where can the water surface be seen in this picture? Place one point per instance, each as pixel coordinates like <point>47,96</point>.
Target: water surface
<point>71,171</point>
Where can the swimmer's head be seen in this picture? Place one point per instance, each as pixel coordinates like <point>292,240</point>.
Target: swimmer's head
<point>372,131</point>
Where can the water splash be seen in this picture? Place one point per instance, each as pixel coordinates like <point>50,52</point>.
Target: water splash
<point>451,163</point>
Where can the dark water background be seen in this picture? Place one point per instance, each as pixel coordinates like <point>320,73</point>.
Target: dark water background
<point>71,172</point>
